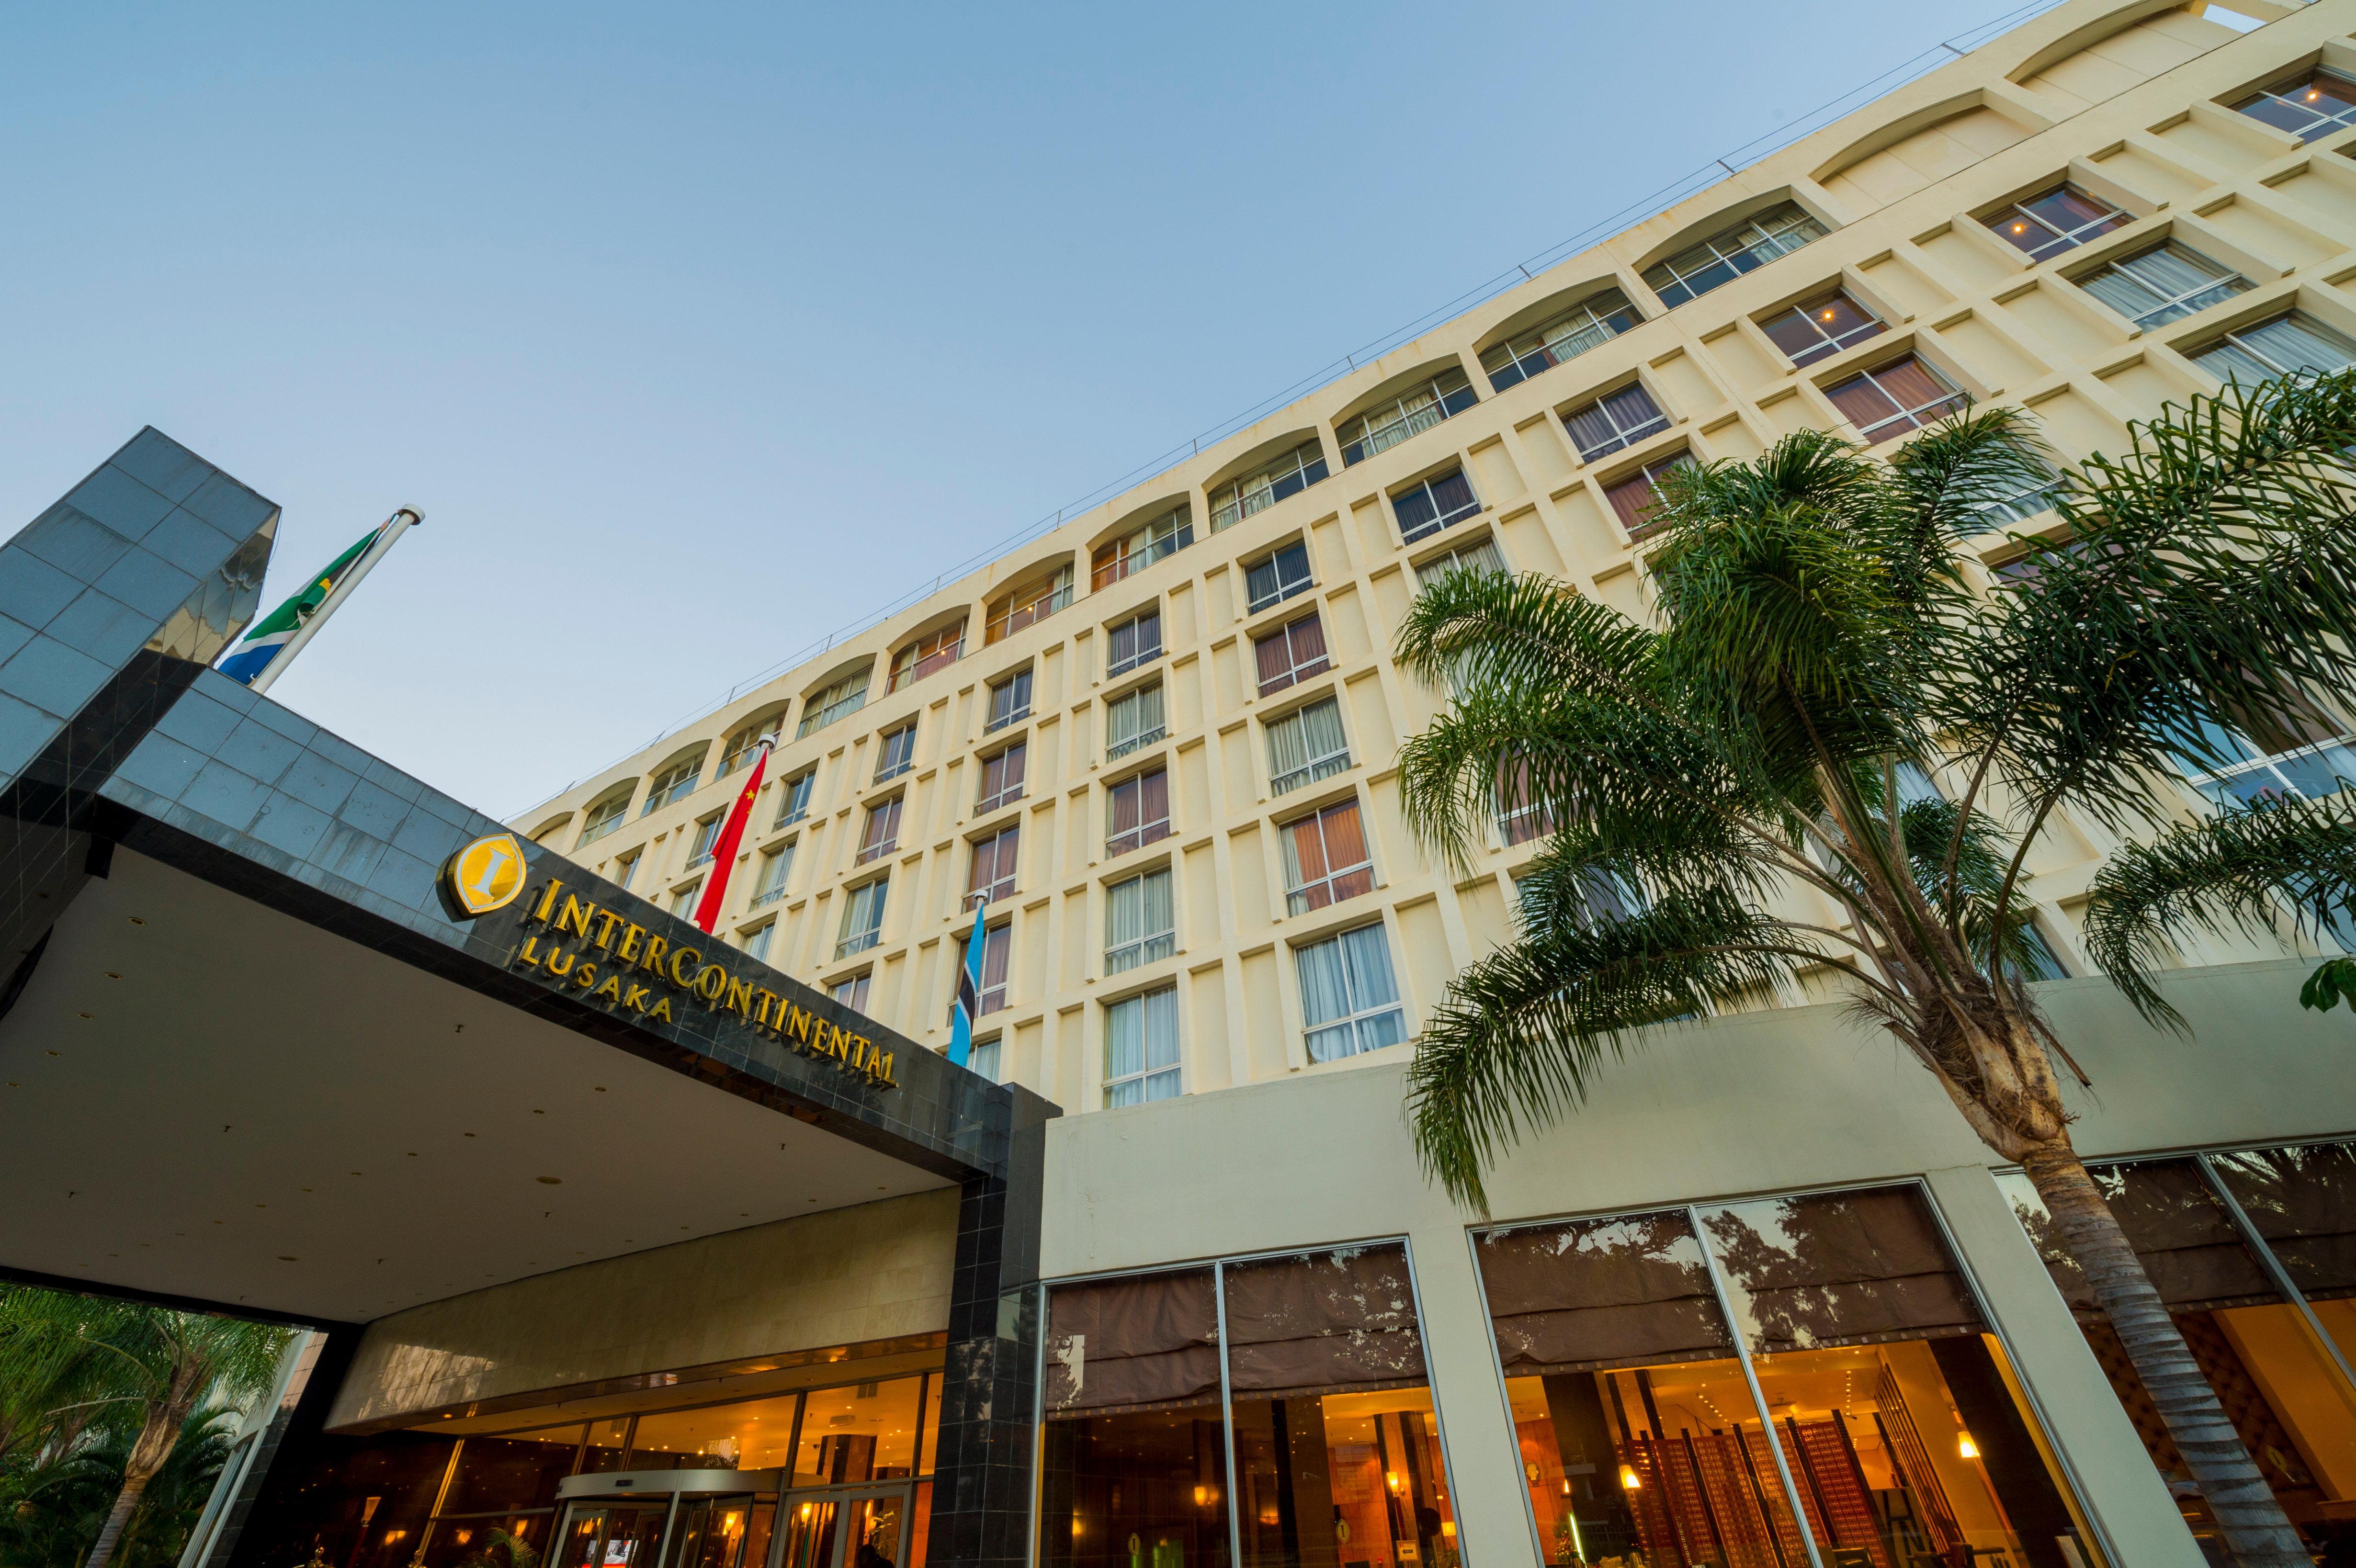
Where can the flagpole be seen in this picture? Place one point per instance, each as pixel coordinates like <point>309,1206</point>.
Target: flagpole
<point>400,523</point>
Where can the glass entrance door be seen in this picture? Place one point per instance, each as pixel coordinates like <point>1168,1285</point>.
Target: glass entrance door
<point>867,1527</point>
<point>720,1532</point>
<point>612,1535</point>
<point>809,1533</point>
<point>875,1534</point>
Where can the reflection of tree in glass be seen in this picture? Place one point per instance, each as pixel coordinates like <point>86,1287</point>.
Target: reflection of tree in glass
<point>501,1549</point>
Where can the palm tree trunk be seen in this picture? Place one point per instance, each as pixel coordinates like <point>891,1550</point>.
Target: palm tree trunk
<point>126,1502</point>
<point>2257,1534</point>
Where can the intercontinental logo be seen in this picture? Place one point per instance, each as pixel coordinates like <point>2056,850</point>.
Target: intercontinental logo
<point>483,876</point>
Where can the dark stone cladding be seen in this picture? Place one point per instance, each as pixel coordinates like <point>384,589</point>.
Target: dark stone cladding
<point>114,730</point>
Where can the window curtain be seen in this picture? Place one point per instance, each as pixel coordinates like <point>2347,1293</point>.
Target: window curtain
<point>1842,1268</point>
<point>1321,730</point>
<point>1139,713</point>
<point>1322,1323</point>
<point>1137,908</point>
<point>993,859</point>
<point>1124,1346</point>
<point>2303,1201</point>
<point>1594,1295</point>
<point>1141,1037</point>
<point>864,909</point>
<point>2297,344</point>
<point>996,948</point>
<point>1368,952</point>
<point>882,826</point>
<point>1287,750</point>
<point>1351,974</point>
<point>2182,1235</point>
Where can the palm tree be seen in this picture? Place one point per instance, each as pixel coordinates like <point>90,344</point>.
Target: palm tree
<point>1729,794</point>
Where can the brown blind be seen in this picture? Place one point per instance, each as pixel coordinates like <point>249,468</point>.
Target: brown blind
<point>1125,1345</point>
<point>1840,1268</point>
<point>2183,1235</point>
<point>1597,1294</point>
<point>2303,1201</point>
<point>1333,1322</point>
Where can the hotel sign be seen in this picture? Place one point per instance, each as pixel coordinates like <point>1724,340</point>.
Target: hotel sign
<point>607,959</point>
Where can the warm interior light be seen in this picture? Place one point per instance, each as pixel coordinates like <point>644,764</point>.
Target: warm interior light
<point>1628,1480</point>
<point>1390,1479</point>
<point>1966,1447</point>
<point>1447,1528</point>
<point>1202,1496</point>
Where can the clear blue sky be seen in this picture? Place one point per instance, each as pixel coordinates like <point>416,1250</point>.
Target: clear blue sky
<point>697,331</point>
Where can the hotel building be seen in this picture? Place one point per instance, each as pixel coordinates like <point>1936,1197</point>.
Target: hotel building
<point>1156,1282</point>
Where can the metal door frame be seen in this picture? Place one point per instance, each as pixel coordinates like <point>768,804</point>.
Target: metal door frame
<point>843,1492</point>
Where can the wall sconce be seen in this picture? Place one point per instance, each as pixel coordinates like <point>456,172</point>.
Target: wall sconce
<point>1629,1479</point>
<point>1965,1448</point>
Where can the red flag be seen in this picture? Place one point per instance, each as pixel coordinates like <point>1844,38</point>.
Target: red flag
<point>724,853</point>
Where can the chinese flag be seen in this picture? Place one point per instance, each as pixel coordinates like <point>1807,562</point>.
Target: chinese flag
<point>724,851</point>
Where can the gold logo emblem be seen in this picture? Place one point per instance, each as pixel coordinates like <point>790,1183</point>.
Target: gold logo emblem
<point>486,875</point>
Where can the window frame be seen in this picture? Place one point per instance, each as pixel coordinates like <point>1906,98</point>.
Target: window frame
<point>1005,848</point>
<point>707,837</point>
<point>1450,393</point>
<point>1007,795</point>
<point>1027,603</point>
<point>1147,831</point>
<point>1675,280</point>
<point>1140,656</point>
<point>1127,554</point>
<point>1349,1021</point>
<point>1500,358</point>
<point>1649,473</point>
<point>1150,946</point>
<point>1295,670</point>
<point>1623,436</point>
<point>1303,897</point>
<point>914,661</point>
<point>1312,769</point>
<point>1826,344</point>
<point>776,873</point>
<point>675,783</point>
<point>1890,426</point>
<point>2170,308</point>
<point>593,827</point>
<point>1015,712</point>
<point>849,942</point>
<point>1145,735</point>
<point>1285,590</point>
<point>2305,77</point>
<point>870,848</point>
<point>1440,520</point>
<point>793,802</point>
<point>837,701</point>
<point>2058,240</point>
<point>2236,338</point>
<point>887,769</point>
<point>1237,498</point>
<point>1148,1069</point>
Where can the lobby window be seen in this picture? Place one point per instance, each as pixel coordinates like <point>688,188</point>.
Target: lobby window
<point>1306,746</point>
<point>1349,999</point>
<point>1033,602</point>
<point>2249,1250</point>
<point>2062,219</point>
<point>1277,577</point>
<point>845,696</point>
<point>997,955</point>
<point>793,798</point>
<point>850,1434</point>
<point>1727,255</point>
<point>1891,399</point>
<point>1001,778</point>
<point>1636,498</point>
<point>707,834</point>
<point>853,992</point>
<point>2313,105</point>
<point>863,917</point>
<point>1821,328</point>
<point>756,943</point>
<point>1325,859</point>
<point>882,833</point>
<point>1588,324</point>
<point>985,1059</point>
<point>604,817</point>
<point>1289,475</point>
<point>776,867</point>
<point>1142,1049</point>
<point>1479,556</point>
<point>1290,654</point>
<point>932,651</point>
<point>683,900</point>
<point>626,870</point>
<point>1889,1410</point>
<point>1168,534</point>
<point>1134,643</point>
<point>676,782</point>
<point>1411,412</point>
<point>1137,812</point>
<point>2287,345</point>
<point>1430,505</point>
<point>1140,922</point>
<point>2165,284</point>
<point>1133,720</point>
<point>745,744</point>
<point>1010,700</point>
<point>1520,816</point>
<point>1614,422</point>
<point>992,876</point>
<point>895,752</point>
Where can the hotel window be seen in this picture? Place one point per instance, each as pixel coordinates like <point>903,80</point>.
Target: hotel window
<point>984,1061</point>
<point>756,944</point>
<point>2061,219</point>
<point>2303,757</point>
<point>1891,399</point>
<point>1010,700</point>
<point>883,834</point>
<point>776,866</point>
<point>1411,412</point>
<point>1479,556</point>
<point>895,752</point>
<point>1586,325</point>
<point>626,870</point>
<point>2017,508</point>
<point>1520,818</point>
<point>1726,256</point>
<point>1325,859</point>
<point>707,834</point>
<point>1133,643</point>
<point>2163,284</point>
<point>683,901</point>
<point>674,782</point>
<point>1001,778</point>
<point>1290,654</point>
<point>2287,345</point>
<point>1140,922</point>
<point>1133,720</point>
<point>2315,105</point>
<point>1034,601</point>
<point>1614,422</point>
<point>848,695</point>
<point>745,744</point>
<point>862,918</point>
<point>1137,812</point>
<point>1348,998</point>
<point>1139,547</point>
<point>793,798</point>
<point>1430,505</point>
<point>1289,475</point>
<point>1142,1049</point>
<point>1306,746</point>
<point>1276,577</point>
<point>1821,328</point>
<point>604,817</point>
<point>1636,498</point>
<point>932,651</point>
<point>997,952</point>
<point>1888,1407</point>
<point>852,993</point>
<point>991,876</point>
